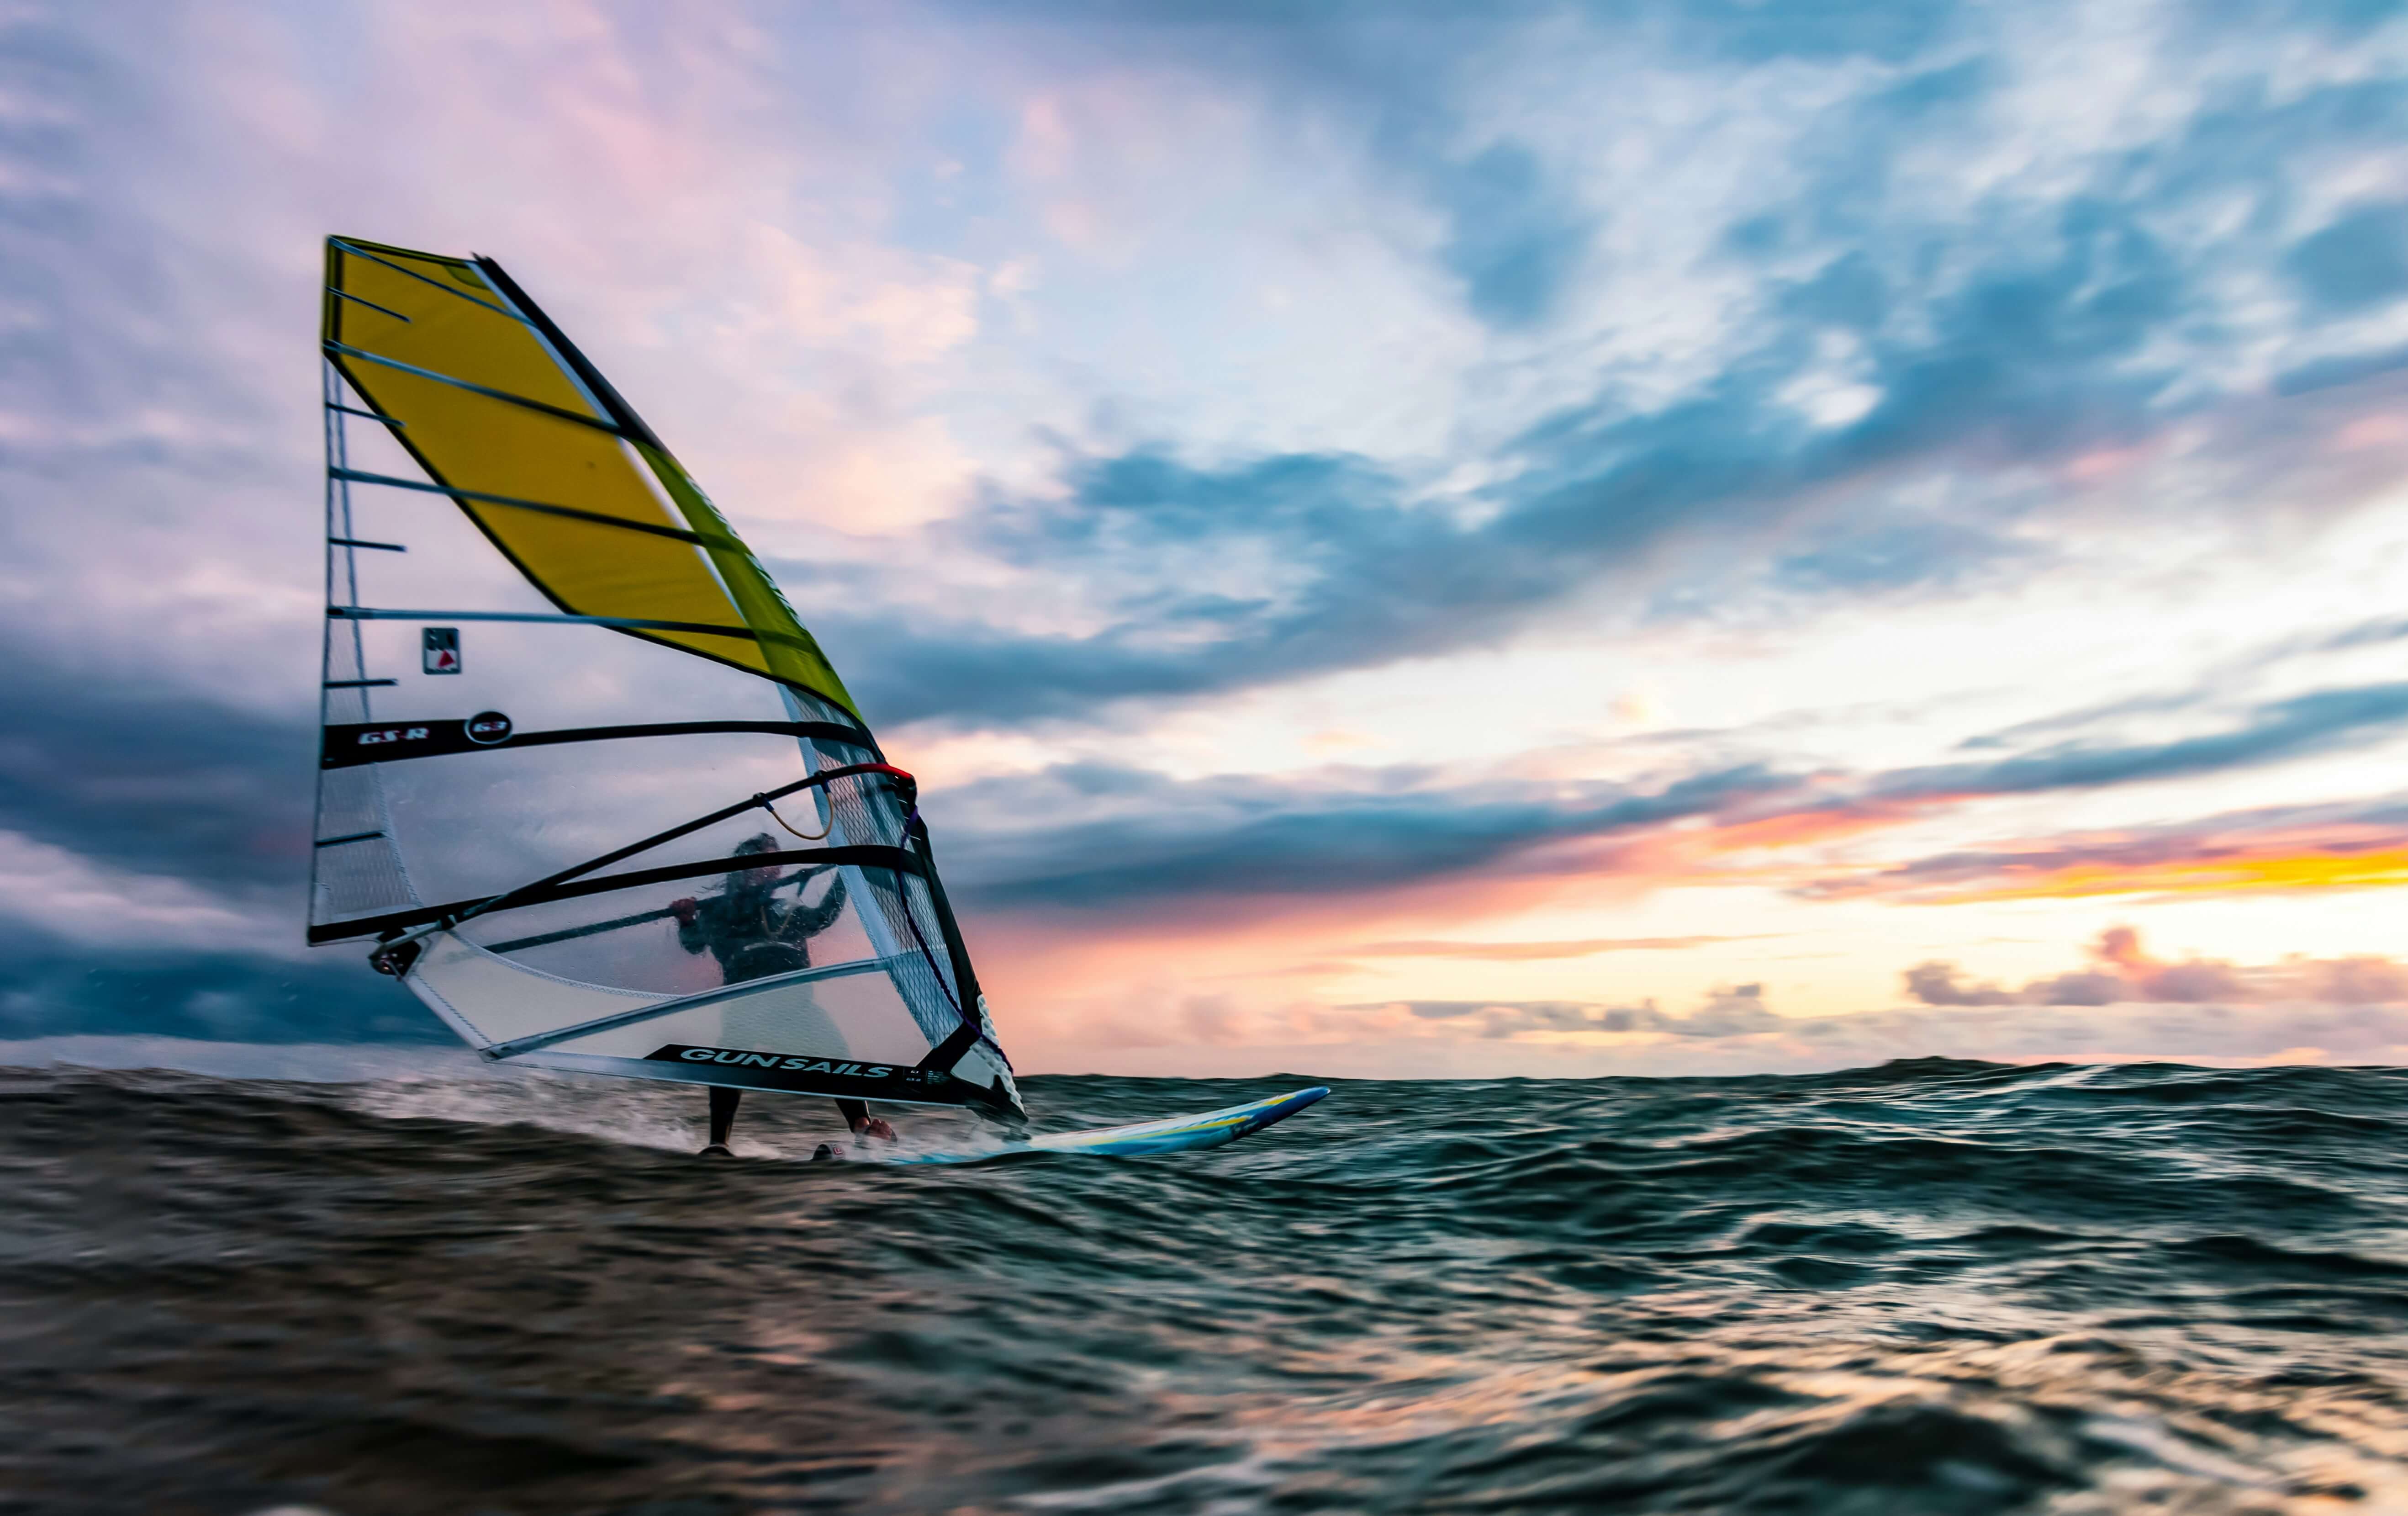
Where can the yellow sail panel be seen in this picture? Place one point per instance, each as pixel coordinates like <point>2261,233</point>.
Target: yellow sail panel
<point>491,405</point>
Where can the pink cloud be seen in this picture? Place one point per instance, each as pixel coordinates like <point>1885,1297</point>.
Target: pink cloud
<point>2121,971</point>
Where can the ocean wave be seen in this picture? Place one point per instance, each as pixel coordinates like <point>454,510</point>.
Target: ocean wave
<point>1934,1286</point>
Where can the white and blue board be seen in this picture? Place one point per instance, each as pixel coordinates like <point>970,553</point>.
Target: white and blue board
<point>1172,1134</point>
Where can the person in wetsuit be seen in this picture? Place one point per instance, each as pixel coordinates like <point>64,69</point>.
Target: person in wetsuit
<point>753,935</point>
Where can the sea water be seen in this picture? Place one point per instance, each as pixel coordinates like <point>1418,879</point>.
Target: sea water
<point>1926,1286</point>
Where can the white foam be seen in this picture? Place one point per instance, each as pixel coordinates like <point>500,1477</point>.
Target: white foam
<point>305,1062</point>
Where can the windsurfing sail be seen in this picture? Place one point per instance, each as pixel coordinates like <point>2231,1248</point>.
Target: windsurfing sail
<point>598,798</point>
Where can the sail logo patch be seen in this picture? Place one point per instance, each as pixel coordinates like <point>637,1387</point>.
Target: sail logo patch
<point>486,727</point>
<point>395,735</point>
<point>442,646</point>
<point>739,1057</point>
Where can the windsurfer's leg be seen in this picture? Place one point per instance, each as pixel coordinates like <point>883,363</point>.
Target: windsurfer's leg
<point>858,1119</point>
<point>722,1114</point>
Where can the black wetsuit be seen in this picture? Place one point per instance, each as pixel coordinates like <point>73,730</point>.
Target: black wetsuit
<point>752,938</point>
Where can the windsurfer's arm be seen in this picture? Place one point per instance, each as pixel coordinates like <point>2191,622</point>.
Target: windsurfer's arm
<point>690,933</point>
<point>809,920</point>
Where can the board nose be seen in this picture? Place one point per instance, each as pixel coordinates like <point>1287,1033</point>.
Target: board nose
<point>1289,1104</point>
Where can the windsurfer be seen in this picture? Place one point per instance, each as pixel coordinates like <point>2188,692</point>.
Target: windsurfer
<point>752,938</point>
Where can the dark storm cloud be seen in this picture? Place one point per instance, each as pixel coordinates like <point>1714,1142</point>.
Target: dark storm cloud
<point>49,988</point>
<point>154,779</point>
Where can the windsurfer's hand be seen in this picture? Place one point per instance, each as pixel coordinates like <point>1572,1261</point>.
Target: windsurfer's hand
<point>874,1127</point>
<point>683,910</point>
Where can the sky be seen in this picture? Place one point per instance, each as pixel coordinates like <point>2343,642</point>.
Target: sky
<point>1407,540</point>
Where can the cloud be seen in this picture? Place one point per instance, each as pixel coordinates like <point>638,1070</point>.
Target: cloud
<point>2371,1034</point>
<point>1513,244</point>
<point>2300,725</point>
<point>1189,580</point>
<point>2360,259</point>
<point>1905,550</point>
<point>1734,1035</point>
<point>1119,838</point>
<point>142,776</point>
<point>2356,845</point>
<point>1976,328</point>
<point>60,987</point>
<point>1730,1012</point>
<point>1935,984</point>
<point>2121,973</point>
<point>1515,952</point>
<point>2214,685</point>
<point>145,780</point>
<point>61,892</point>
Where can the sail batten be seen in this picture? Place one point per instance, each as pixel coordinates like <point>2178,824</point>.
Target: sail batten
<point>485,391</point>
<point>363,251</point>
<point>569,511</point>
<point>619,662</point>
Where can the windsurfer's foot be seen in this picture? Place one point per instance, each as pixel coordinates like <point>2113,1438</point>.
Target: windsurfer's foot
<point>717,1149</point>
<point>875,1128</point>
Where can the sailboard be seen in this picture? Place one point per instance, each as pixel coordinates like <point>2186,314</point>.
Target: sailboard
<point>585,783</point>
<point>1170,1134</point>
